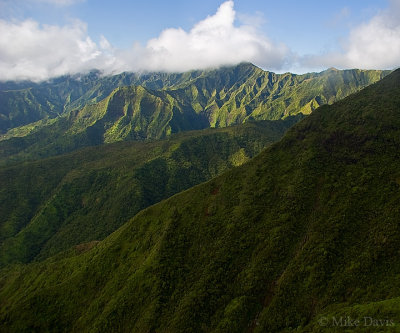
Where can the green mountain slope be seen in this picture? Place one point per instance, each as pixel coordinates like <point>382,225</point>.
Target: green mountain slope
<point>226,96</point>
<point>235,94</point>
<point>50,205</point>
<point>128,113</point>
<point>308,230</point>
<point>27,102</point>
<point>198,100</point>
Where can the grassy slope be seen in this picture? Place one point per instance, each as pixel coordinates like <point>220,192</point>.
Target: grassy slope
<point>236,94</point>
<point>27,102</point>
<point>129,113</point>
<point>196,100</point>
<point>227,95</point>
<point>53,204</point>
<point>307,228</point>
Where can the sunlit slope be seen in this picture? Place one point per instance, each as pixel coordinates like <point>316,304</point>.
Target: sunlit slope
<point>170,103</point>
<point>309,228</point>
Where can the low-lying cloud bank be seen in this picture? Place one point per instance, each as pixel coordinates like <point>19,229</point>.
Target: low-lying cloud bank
<point>371,45</point>
<point>30,51</point>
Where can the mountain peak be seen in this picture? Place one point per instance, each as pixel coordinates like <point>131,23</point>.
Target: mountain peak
<point>306,230</point>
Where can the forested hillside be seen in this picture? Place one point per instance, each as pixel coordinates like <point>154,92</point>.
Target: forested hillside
<point>70,113</point>
<point>52,204</point>
<point>305,232</point>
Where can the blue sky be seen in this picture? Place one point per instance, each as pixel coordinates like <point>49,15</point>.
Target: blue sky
<point>45,38</point>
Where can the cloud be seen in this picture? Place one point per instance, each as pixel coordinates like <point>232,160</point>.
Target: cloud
<point>29,50</point>
<point>212,42</point>
<point>371,45</point>
<point>32,51</point>
<point>255,20</point>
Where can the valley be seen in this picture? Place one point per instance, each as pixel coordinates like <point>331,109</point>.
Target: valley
<point>305,230</point>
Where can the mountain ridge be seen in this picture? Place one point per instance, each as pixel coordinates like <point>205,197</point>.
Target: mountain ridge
<point>50,99</point>
<point>90,192</point>
<point>188,101</point>
<point>307,230</point>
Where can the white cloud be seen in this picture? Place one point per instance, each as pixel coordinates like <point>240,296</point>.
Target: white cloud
<point>32,51</point>
<point>255,20</point>
<point>29,50</point>
<point>371,45</point>
<point>212,42</point>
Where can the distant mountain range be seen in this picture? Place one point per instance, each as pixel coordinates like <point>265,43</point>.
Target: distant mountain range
<point>49,118</point>
<point>304,235</point>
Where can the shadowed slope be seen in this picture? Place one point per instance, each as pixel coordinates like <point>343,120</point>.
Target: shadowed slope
<point>53,204</point>
<point>308,228</point>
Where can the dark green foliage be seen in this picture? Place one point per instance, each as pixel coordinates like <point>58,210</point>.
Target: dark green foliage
<point>49,205</point>
<point>307,229</point>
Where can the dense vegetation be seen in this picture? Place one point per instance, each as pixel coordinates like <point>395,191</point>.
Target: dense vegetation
<point>22,103</point>
<point>153,106</point>
<point>306,231</point>
<point>52,204</point>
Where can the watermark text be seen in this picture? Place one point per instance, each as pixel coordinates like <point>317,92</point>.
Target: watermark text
<point>347,321</point>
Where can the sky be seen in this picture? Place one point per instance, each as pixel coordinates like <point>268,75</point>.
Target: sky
<point>41,39</point>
